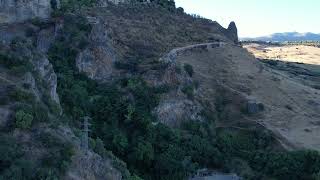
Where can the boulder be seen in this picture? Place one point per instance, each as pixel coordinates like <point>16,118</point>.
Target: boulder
<point>254,107</point>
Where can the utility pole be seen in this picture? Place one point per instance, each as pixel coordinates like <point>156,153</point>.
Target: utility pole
<point>85,138</point>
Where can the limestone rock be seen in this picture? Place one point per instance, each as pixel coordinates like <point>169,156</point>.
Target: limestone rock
<point>97,60</point>
<point>47,74</point>
<point>91,166</point>
<point>233,32</point>
<point>4,116</point>
<point>12,11</point>
<point>173,112</point>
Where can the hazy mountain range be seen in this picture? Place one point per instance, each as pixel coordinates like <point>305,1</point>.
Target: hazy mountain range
<point>287,36</point>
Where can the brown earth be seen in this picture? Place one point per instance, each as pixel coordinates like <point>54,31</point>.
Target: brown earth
<point>291,108</point>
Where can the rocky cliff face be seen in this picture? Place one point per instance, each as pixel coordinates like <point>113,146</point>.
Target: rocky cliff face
<point>20,10</point>
<point>97,60</point>
<point>233,32</point>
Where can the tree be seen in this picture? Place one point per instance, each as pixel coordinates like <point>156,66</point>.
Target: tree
<point>189,69</point>
<point>99,148</point>
<point>23,119</point>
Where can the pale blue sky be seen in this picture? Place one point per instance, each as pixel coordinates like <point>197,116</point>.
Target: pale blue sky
<point>259,17</point>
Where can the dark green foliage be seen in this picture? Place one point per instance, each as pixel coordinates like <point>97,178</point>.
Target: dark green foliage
<point>21,95</point>
<point>73,87</point>
<point>17,65</point>
<point>23,119</point>
<point>55,162</point>
<point>99,148</point>
<point>123,123</point>
<point>164,88</point>
<point>189,69</point>
<point>53,4</point>
<point>40,113</point>
<point>188,90</point>
<point>12,163</point>
<point>168,4</point>
<point>15,165</point>
<point>287,165</point>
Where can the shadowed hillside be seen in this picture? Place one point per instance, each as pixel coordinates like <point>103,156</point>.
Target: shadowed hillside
<point>167,95</point>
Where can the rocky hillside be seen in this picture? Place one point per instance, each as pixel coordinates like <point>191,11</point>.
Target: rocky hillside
<point>168,94</point>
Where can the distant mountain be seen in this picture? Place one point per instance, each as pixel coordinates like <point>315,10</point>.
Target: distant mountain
<point>286,36</point>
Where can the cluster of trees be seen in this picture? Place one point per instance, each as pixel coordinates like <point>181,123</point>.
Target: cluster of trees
<point>16,164</point>
<point>124,124</point>
<point>169,4</point>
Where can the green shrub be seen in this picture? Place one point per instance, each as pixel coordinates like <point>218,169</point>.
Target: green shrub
<point>23,120</point>
<point>134,177</point>
<point>188,90</point>
<point>122,117</point>
<point>189,69</point>
<point>164,88</point>
<point>40,113</point>
<point>58,157</point>
<point>99,148</point>
<point>4,100</point>
<point>13,165</point>
<point>20,95</point>
<point>16,65</point>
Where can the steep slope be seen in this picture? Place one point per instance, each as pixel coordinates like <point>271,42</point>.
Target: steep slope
<point>244,79</point>
<point>134,37</point>
<point>36,141</point>
<point>166,112</point>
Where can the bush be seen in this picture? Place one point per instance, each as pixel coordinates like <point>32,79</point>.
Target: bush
<point>12,163</point>
<point>189,69</point>
<point>17,65</point>
<point>99,148</point>
<point>23,120</point>
<point>40,113</point>
<point>20,95</point>
<point>188,90</point>
<point>56,162</point>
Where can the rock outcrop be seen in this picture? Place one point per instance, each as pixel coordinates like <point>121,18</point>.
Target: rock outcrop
<point>12,11</point>
<point>233,32</point>
<point>91,166</point>
<point>97,60</point>
<point>173,111</point>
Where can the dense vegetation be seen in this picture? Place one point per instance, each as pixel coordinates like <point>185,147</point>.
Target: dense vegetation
<point>123,123</point>
<point>16,163</point>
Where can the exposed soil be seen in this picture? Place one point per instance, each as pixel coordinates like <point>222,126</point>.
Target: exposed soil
<point>291,108</point>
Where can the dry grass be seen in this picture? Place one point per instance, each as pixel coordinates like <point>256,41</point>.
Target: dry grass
<point>294,53</point>
<point>233,68</point>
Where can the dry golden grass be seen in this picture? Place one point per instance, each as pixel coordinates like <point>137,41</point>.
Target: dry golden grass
<point>291,107</point>
<point>295,53</point>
